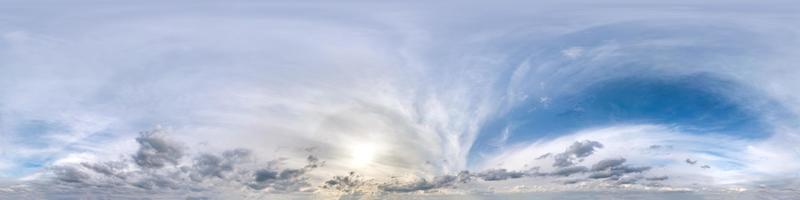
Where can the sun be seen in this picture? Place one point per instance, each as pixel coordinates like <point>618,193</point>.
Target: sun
<point>362,154</point>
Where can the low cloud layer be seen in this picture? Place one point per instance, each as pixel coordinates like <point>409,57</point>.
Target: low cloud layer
<point>612,170</point>
<point>161,164</point>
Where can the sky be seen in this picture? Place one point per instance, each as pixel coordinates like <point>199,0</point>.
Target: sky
<point>245,99</point>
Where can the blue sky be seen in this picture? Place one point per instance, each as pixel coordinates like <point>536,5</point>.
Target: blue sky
<point>695,104</point>
<point>274,99</point>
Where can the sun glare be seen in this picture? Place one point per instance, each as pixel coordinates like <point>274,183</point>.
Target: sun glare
<point>362,154</point>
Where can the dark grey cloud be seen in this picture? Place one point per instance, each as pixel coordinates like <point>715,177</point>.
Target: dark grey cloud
<point>155,151</point>
<point>567,171</point>
<point>111,168</point>
<point>160,167</point>
<point>657,178</point>
<point>437,182</point>
<point>601,175</point>
<point>463,177</point>
<point>70,174</point>
<point>625,169</point>
<point>209,165</point>
<point>159,164</point>
<point>611,168</point>
<point>614,169</point>
<point>354,183</point>
<point>158,182</point>
<point>656,147</point>
<point>543,156</point>
<point>350,184</point>
<point>573,181</point>
<point>619,179</point>
<point>575,153</point>
<point>692,162</point>
<point>284,179</point>
<point>607,163</point>
<point>628,180</point>
<point>499,174</point>
<point>419,184</point>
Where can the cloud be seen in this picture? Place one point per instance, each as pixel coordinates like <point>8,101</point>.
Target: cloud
<point>419,184</point>
<point>444,181</point>
<point>70,174</point>
<point>607,163</point>
<point>543,156</point>
<point>617,172</point>
<point>656,146</point>
<point>630,169</point>
<point>158,182</point>
<point>349,184</point>
<point>575,153</point>
<point>205,171</point>
<point>356,184</point>
<point>109,168</point>
<point>572,52</point>
<point>567,171</point>
<point>155,151</point>
<point>285,179</point>
<point>210,165</point>
<point>657,178</point>
<point>499,174</point>
<point>599,175</point>
<point>158,165</point>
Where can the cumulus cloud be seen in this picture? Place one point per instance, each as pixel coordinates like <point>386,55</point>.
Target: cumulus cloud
<point>607,163</point>
<point>159,165</point>
<point>109,168</point>
<point>209,165</point>
<point>613,168</point>
<point>543,156</point>
<point>567,171</point>
<point>285,179</point>
<point>419,184</point>
<point>630,169</point>
<point>155,151</point>
<point>70,174</point>
<point>499,174</point>
<point>575,153</point>
<point>204,171</point>
<point>349,184</point>
<point>357,184</point>
<point>657,178</point>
